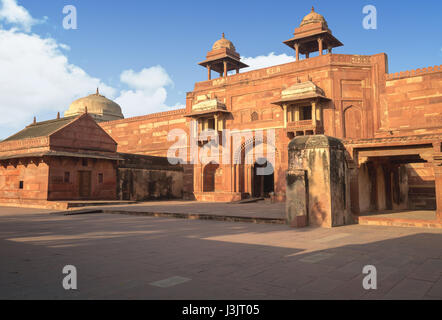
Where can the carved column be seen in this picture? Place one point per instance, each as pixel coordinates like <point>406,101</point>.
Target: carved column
<point>209,73</point>
<point>320,46</point>
<point>296,114</point>
<point>225,68</point>
<point>318,112</point>
<point>284,106</point>
<point>438,182</point>
<point>216,122</point>
<point>314,113</point>
<point>297,51</point>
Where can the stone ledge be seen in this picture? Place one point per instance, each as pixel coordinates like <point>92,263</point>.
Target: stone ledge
<point>412,223</point>
<point>200,216</point>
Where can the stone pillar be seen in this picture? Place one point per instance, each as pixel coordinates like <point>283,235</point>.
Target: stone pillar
<point>237,172</point>
<point>318,112</point>
<point>323,160</point>
<point>438,182</point>
<point>297,51</point>
<point>250,179</point>
<point>320,46</point>
<point>237,70</point>
<point>225,68</point>
<point>314,113</point>
<point>307,55</point>
<point>354,188</point>
<point>296,114</point>
<point>209,73</point>
<point>296,203</point>
<point>329,49</point>
<point>284,107</point>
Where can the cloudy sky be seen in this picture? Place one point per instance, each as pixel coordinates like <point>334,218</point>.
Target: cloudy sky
<point>144,54</point>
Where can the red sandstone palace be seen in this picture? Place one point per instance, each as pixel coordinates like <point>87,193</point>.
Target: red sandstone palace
<point>389,124</point>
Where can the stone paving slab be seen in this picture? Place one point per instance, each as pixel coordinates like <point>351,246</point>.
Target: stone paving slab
<point>120,256</point>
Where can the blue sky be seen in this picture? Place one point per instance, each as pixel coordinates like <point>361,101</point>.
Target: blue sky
<point>117,36</point>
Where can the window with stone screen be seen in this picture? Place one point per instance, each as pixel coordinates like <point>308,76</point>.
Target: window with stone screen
<point>254,116</point>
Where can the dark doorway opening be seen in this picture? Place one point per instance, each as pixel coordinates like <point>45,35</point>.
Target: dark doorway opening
<point>263,179</point>
<point>209,177</point>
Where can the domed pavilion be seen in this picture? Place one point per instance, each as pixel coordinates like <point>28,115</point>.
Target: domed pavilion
<point>313,35</point>
<point>222,58</point>
<point>98,106</point>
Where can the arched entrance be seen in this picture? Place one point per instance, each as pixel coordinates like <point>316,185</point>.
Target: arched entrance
<point>263,178</point>
<point>209,177</point>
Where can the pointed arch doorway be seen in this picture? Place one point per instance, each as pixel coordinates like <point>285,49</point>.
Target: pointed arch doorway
<point>263,179</point>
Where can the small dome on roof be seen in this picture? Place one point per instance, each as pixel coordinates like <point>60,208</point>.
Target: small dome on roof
<point>223,43</point>
<point>313,17</point>
<point>98,106</point>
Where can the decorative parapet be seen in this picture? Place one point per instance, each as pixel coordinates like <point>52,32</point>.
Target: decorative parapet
<point>295,66</point>
<point>351,59</point>
<point>146,117</point>
<point>412,73</point>
<point>415,139</point>
<point>304,126</point>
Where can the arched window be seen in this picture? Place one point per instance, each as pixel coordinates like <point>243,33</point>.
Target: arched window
<point>254,116</point>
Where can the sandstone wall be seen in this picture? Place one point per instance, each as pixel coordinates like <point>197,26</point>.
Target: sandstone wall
<point>146,134</point>
<point>148,177</point>
<point>82,135</point>
<point>412,103</point>
<point>35,183</point>
<point>59,189</point>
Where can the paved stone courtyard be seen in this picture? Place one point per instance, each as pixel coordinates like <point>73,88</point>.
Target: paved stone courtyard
<point>138,257</point>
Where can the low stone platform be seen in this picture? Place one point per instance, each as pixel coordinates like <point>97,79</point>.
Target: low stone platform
<point>406,218</point>
<point>259,212</point>
<point>65,205</point>
<point>77,204</point>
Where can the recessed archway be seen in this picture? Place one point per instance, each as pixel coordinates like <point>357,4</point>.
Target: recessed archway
<point>209,177</point>
<point>263,178</point>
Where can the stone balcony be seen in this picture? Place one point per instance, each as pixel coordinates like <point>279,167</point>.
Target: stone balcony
<point>304,127</point>
<point>203,139</point>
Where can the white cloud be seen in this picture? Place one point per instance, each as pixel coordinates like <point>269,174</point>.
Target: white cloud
<point>147,79</point>
<point>266,61</point>
<point>36,77</point>
<point>16,15</point>
<point>147,92</point>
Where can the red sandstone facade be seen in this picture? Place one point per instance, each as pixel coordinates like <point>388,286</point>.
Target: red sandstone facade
<point>390,124</point>
<point>63,159</point>
<point>387,121</point>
